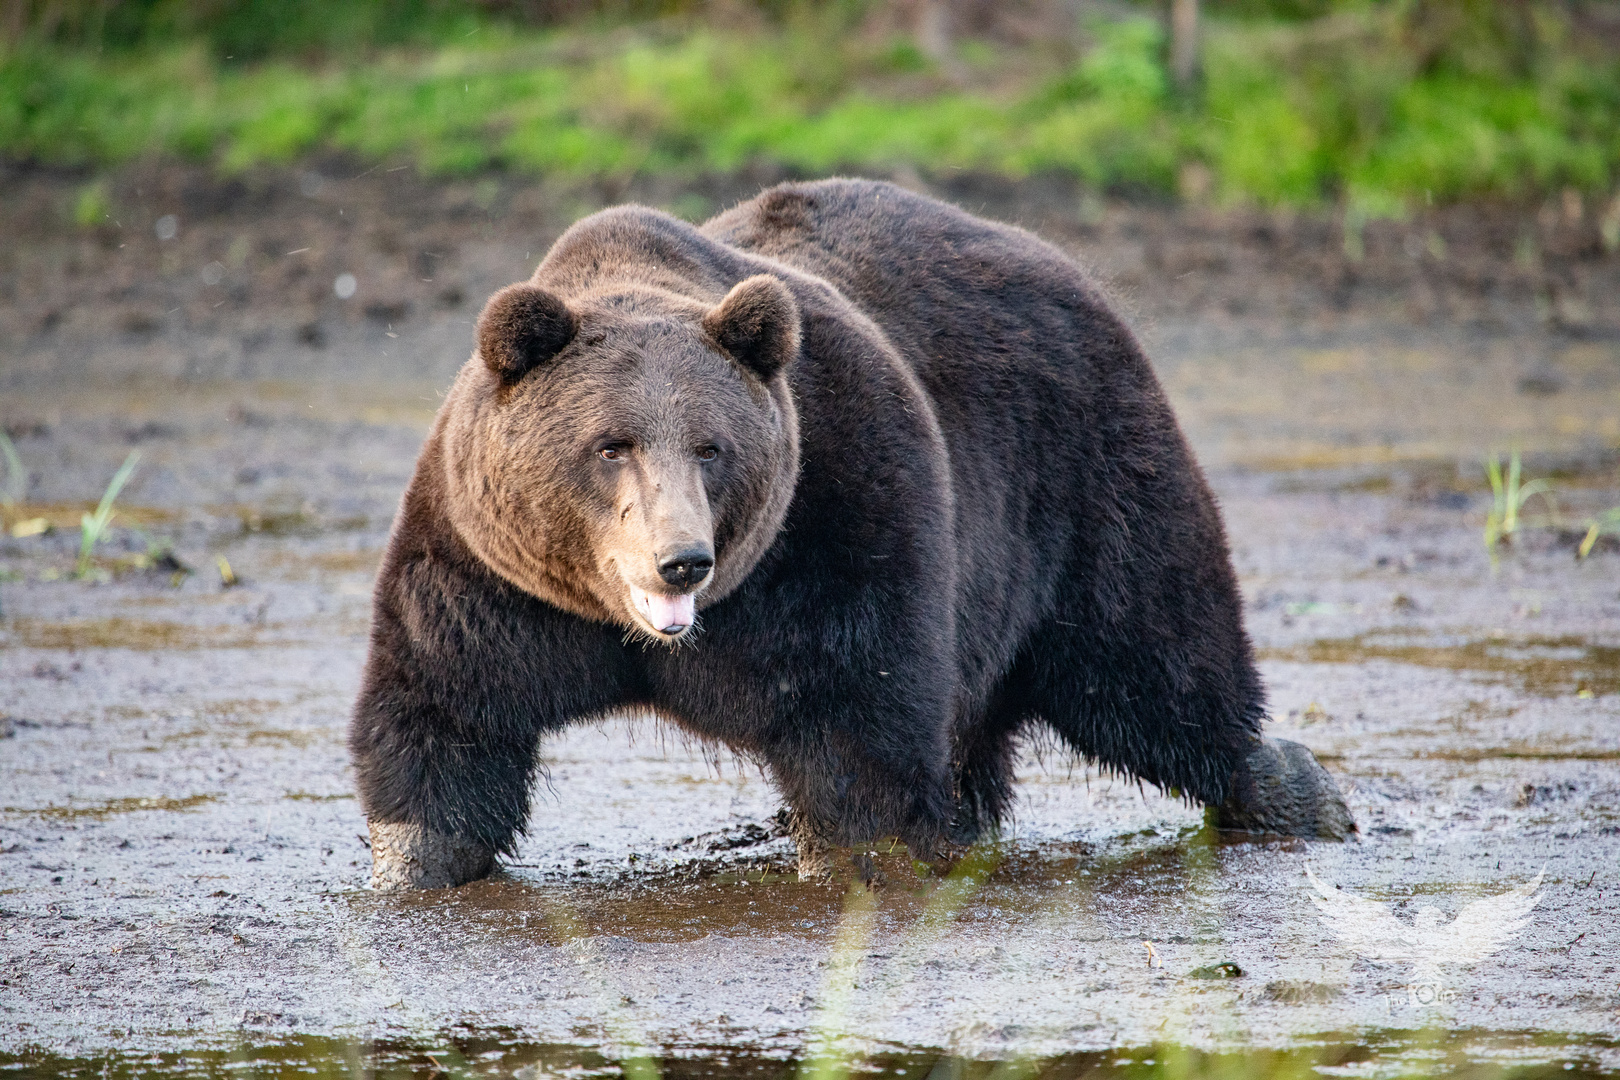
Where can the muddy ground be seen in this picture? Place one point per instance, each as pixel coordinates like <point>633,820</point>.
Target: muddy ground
<point>182,863</point>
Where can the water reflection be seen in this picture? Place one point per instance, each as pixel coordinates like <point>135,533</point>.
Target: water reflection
<point>1469,1055</point>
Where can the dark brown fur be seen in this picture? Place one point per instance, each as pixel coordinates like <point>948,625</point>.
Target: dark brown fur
<point>949,500</point>
<point>522,327</point>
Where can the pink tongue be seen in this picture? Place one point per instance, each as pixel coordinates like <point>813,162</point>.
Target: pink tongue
<point>670,614</point>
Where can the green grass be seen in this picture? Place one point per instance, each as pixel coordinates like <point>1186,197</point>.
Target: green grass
<point>93,527</point>
<point>1338,109</point>
<point>15,485</point>
<point>1508,498</point>
<point>1607,522</point>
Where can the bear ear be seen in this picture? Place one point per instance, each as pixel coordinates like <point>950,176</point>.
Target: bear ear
<point>758,324</point>
<point>521,328</point>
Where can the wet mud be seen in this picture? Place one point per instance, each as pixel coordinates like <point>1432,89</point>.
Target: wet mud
<point>183,863</point>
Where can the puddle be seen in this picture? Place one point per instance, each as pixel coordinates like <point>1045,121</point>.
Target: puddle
<point>300,565</point>
<point>206,403</point>
<point>66,516</point>
<point>1517,753</point>
<point>655,899</point>
<point>233,708</point>
<point>285,737</point>
<point>281,522</point>
<point>1545,666</point>
<point>95,811</point>
<point>238,735</point>
<point>1473,1054</point>
<point>121,632</point>
<point>366,560</point>
<point>1444,479</point>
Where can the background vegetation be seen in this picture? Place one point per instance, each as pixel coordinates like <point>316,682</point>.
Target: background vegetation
<point>1376,105</point>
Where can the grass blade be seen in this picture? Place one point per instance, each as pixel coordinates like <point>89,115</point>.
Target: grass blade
<point>1588,541</point>
<point>16,485</point>
<point>93,526</point>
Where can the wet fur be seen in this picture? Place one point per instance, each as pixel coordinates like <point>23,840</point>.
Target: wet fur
<point>990,519</point>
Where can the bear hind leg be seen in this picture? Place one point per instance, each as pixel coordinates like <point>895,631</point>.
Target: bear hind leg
<point>984,781</point>
<point>1280,789</point>
<point>1201,740</point>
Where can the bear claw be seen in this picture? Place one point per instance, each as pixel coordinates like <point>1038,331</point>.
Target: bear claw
<point>1280,789</point>
<point>405,856</point>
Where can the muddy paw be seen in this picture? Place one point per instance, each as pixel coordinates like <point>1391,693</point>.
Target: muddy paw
<point>815,866</point>
<point>413,857</point>
<point>1282,790</point>
<point>867,870</point>
<point>815,855</point>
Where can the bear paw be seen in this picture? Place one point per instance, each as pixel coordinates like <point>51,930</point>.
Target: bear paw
<point>815,854</point>
<point>1280,789</point>
<point>405,856</point>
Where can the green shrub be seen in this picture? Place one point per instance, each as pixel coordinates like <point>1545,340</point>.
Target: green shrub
<point>1303,102</point>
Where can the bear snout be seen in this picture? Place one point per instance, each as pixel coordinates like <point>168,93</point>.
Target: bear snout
<point>687,568</point>
<point>671,616</point>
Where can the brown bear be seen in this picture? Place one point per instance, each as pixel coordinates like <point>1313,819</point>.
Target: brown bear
<point>847,479</point>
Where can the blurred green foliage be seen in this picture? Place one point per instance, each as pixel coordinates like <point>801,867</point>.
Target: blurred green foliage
<point>254,29</point>
<point>1375,104</point>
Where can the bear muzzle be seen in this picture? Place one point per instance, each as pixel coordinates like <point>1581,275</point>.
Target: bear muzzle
<point>669,615</point>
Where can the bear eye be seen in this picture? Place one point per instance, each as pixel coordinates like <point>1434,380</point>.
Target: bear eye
<point>708,453</point>
<point>612,452</point>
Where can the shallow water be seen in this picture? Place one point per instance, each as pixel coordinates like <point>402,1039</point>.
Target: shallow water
<point>1544,666</point>
<point>1468,1055</point>
<point>183,863</point>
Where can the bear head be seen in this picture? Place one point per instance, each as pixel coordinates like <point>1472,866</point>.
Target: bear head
<point>627,454</point>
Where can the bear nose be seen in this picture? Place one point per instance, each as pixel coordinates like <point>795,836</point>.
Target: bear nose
<point>685,569</point>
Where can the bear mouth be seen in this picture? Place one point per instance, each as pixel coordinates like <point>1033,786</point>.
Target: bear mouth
<point>668,616</point>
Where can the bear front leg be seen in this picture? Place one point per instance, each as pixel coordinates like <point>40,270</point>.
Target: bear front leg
<point>816,855</point>
<point>446,728</point>
<point>843,796</point>
<point>1280,789</point>
<point>440,803</point>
